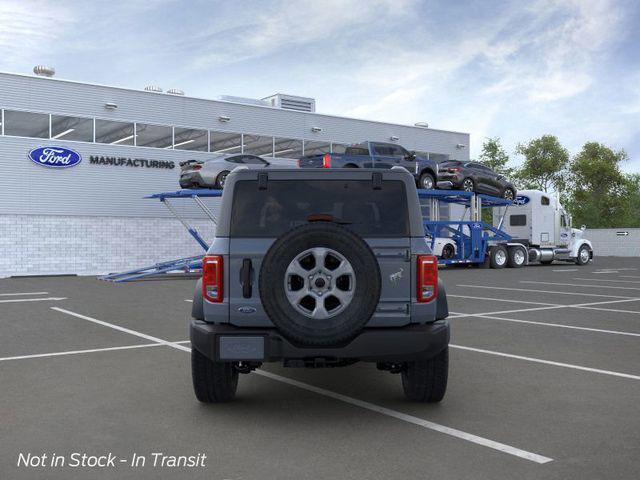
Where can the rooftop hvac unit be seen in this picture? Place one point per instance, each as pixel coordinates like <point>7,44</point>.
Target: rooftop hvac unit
<point>291,102</point>
<point>175,91</point>
<point>153,88</point>
<point>43,71</point>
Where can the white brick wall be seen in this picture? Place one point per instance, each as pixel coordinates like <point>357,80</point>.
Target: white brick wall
<point>50,245</point>
<point>609,242</point>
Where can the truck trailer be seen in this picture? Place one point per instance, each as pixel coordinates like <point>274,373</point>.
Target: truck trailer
<point>533,228</point>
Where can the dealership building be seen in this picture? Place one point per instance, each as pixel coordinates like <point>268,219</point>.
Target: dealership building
<point>91,217</point>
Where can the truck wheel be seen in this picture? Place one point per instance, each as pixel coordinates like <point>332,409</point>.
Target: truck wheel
<point>508,194</point>
<point>213,382</point>
<point>221,179</point>
<point>517,257</point>
<point>584,255</point>
<point>319,284</point>
<point>427,181</point>
<point>499,256</point>
<point>426,380</point>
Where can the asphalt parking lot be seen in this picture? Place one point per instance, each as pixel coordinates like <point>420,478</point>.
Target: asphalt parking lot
<point>544,383</point>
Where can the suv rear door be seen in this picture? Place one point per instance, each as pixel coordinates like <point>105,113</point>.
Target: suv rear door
<point>260,216</point>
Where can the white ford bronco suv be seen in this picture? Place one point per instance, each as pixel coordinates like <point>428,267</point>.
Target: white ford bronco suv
<point>319,268</point>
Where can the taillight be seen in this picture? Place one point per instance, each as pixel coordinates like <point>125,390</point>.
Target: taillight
<point>196,167</point>
<point>212,278</point>
<point>427,278</point>
<point>326,160</point>
<point>298,162</point>
<point>455,170</point>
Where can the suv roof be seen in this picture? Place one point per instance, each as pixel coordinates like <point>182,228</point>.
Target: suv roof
<point>374,175</point>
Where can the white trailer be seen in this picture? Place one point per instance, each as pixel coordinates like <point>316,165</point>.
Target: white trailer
<point>537,221</point>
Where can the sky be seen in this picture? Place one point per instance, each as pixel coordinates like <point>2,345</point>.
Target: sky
<point>509,69</point>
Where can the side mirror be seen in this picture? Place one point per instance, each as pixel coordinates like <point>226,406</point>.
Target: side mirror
<point>410,156</point>
<point>583,228</point>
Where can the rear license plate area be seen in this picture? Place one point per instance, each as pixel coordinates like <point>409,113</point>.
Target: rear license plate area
<point>241,347</point>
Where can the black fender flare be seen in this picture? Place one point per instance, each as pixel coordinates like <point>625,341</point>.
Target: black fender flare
<point>197,311</point>
<point>442,305</point>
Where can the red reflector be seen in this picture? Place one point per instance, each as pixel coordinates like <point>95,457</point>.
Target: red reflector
<point>212,278</point>
<point>427,278</point>
<point>326,160</point>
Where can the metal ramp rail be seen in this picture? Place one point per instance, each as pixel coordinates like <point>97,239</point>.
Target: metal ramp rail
<point>472,237</point>
<point>186,264</point>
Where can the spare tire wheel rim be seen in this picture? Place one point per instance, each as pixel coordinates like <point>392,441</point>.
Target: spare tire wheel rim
<point>319,283</point>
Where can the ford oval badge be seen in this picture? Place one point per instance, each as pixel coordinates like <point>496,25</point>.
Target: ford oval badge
<point>521,200</point>
<point>246,309</point>
<point>55,157</point>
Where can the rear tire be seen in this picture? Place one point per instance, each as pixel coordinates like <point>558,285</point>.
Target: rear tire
<point>427,181</point>
<point>426,380</point>
<point>213,382</point>
<point>499,257</point>
<point>517,257</point>
<point>509,194</point>
<point>468,185</point>
<point>448,251</point>
<point>221,179</point>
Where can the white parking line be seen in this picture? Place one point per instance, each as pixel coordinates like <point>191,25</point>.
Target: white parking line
<point>188,300</point>
<point>48,299</point>
<point>547,362</point>
<point>503,300</point>
<point>27,293</point>
<point>581,285</point>
<point>411,419</point>
<point>566,270</point>
<point>605,280</point>
<point>629,276</point>
<point>546,324</point>
<point>92,350</point>
<point>544,291</point>
<point>533,457</point>
<point>122,329</point>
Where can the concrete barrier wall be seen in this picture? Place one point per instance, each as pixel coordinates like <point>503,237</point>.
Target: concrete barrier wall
<point>614,242</point>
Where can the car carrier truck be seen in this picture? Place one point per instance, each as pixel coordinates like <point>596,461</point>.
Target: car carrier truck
<point>534,228</point>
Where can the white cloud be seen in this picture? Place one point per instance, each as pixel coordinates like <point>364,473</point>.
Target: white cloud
<point>30,29</point>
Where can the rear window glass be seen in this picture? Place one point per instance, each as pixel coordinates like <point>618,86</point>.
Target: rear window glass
<point>286,204</point>
<point>518,220</point>
<point>357,151</point>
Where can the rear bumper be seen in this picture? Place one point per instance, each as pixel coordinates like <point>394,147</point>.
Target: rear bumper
<point>229,343</point>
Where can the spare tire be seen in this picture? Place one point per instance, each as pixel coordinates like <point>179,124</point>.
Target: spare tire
<point>319,284</point>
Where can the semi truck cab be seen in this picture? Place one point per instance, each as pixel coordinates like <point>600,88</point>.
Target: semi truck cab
<point>538,220</point>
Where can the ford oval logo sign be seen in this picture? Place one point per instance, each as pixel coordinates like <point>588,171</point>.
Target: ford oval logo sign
<point>521,200</point>
<point>55,157</point>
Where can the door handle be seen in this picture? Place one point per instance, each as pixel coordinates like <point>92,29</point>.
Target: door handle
<point>245,278</point>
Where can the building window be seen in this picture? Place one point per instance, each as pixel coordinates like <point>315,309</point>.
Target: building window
<point>157,136</point>
<point>115,133</point>
<point>71,128</point>
<point>257,145</point>
<point>225,142</point>
<point>545,200</point>
<point>287,148</point>
<point>190,139</point>
<point>26,124</point>
<point>316,148</point>
<point>339,148</point>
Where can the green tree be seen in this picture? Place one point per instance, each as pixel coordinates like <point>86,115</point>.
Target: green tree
<point>494,156</point>
<point>600,194</point>
<point>545,164</point>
